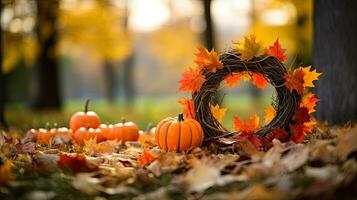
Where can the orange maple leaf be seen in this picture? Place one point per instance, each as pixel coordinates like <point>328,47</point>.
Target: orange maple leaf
<point>232,79</point>
<point>295,81</point>
<point>310,76</point>
<point>269,113</point>
<point>146,158</point>
<point>276,51</point>
<point>247,126</point>
<point>188,107</point>
<point>259,80</point>
<point>192,80</point>
<point>208,60</point>
<point>309,101</point>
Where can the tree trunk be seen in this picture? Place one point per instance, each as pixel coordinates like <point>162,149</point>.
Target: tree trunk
<point>209,32</point>
<point>128,79</point>
<point>47,94</point>
<point>3,124</point>
<point>335,31</point>
<point>109,73</point>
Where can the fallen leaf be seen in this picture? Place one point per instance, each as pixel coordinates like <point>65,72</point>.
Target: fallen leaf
<point>278,52</point>
<point>269,114</point>
<point>232,79</point>
<point>295,81</point>
<point>346,143</point>
<point>86,183</point>
<point>217,112</point>
<point>208,60</point>
<point>249,48</point>
<point>28,147</point>
<point>77,163</point>
<point>191,81</point>
<point>296,157</point>
<point>6,173</point>
<point>146,158</point>
<point>91,147</point>
<point>259,80</point>
<point>310,76</point>
<point>188,108</point>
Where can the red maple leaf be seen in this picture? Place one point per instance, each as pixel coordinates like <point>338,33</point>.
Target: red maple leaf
<point>295,81</point>
<point>251,137</point>
<point>146,158</point>
<point>278,133</point>
<point>297,133</point>
<point>259,80</point>
<point>188,108</point>
<point>77,163</point>
<point>208,60</point>
<point>192,80</point>
<point>301,115</point>
<point>276,51</point>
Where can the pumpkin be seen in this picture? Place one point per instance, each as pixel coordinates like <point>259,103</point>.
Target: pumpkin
<point>124,131</point>
<point>87,119</point>
<point>147,137</point>
<point>44,135</point>
<point>178,134</point>
<point>62,135</point>
<point>83,134</point>
<point>107,131</point>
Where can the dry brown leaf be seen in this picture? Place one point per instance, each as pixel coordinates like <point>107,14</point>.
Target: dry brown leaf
<point>346,142</point>
<point>296,157</point>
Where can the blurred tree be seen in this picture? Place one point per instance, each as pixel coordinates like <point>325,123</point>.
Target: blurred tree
<point>97,30</point>
<point>209,31</point>
<point>335,30</point>
<point>47,93</point>
<point>3,124</point>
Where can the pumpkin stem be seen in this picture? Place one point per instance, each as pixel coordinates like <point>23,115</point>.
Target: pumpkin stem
<point>180,117</point>
<point>149,127</point>
<point>123,120</point>
<point>86,106</point>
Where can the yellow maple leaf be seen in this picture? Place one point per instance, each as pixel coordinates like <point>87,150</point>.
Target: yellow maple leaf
<point>269,114</point>
<point>249,48</point>
<point>218,112</point>
<point>310,76</point>
<point>6,173</point>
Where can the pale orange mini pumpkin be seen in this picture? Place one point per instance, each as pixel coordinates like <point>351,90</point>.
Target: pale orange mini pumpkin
<point>124,131</point>
<point>178,134</point>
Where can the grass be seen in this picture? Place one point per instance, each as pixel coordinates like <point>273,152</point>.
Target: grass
<point>142,111</point>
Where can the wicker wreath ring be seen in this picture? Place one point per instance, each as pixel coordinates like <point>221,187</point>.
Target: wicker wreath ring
<point>270,67</point>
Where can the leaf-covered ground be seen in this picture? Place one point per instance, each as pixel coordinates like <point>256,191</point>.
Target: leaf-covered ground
<point>325,167</point>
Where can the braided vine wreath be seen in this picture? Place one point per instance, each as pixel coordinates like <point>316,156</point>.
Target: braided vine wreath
<point>293,103</point>
<point>270,67</point>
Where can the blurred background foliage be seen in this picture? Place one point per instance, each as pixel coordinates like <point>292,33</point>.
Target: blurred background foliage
<point>128,55</point>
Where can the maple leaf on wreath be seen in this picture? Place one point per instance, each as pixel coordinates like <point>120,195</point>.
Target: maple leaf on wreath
<point>295,81</point>
<point>259,80</point>
<point>309,101</point>
<point>188,108</point>
<point>246,126</point>
<point>209,60</point>
<point>310,76</point>
<point>192,80</point>
<point>276,51</point>
<point>217,112</point>
<point>232,79</point>
<point>301,115</point>
<point>249,48</point>
<point>269,113</point>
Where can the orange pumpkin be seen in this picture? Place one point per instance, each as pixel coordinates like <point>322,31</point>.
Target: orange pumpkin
<point>124,131</point>
<point>107,131</point>
<point>83,134</point>
<point>44,135</point>
<point>178,134</point>
<point>63,134</point>
<point>87,119</point>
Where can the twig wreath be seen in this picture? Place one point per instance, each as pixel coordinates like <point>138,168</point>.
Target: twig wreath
<point>289,116</point>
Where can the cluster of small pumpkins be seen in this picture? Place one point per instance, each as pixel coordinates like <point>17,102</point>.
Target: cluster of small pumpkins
<point>171,134</point>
